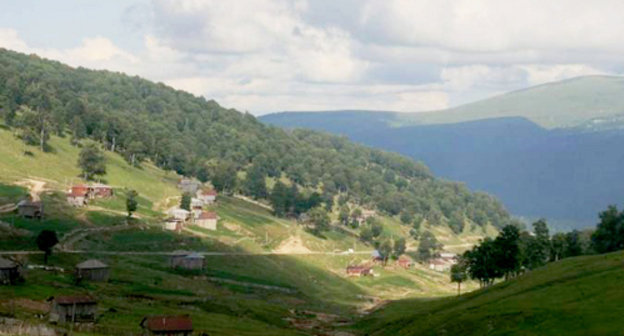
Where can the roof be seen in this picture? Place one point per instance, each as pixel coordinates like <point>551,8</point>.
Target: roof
<point>5,263</point>
<point>101,186</point>
<point>168,323</point>
<point>194,255</point>
<point>358,268</point>
<point>209,192</point>
<point>75,193</point>
<point>75,299</point>
<point>376,254</point>
<point>27,203</point>
<point>207,215</point>
<point>92,263</point>
<point>177,209</point>
<point>437,262</point>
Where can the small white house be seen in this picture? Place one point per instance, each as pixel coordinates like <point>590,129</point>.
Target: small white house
<point>172,224</point>
<point>207,220</point>
<point>207,196</point>
<point>179,213</point>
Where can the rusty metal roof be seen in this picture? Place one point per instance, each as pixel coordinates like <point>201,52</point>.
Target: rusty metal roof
<point>168,323</point>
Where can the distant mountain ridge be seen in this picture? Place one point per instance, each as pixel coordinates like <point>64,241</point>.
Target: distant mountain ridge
<point>562,173</point>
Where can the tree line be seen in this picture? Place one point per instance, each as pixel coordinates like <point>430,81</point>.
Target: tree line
<point>515,251</point>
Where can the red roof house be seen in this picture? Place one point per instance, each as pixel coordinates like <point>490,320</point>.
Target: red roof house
<point>168,325</point>
<point>359,270</point>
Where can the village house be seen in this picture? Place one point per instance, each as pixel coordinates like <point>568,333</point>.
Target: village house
<point>173,224</point>
<point>101,190</point>
<point>9,272</point>
<point>77,199</point>
<point>189,185</point>
<point>81,189</point>
<point>168,325</point>
<point>82,308</point>
<point>30,209</point>
<point>92,270</point>
<point>207,220</point>
<point>376,255</point>
<point>405,262</point>
<point>187,260</point>
<point>439,264</point>
<point>208,196</point>
<point>358,270</point>
<point>179,213</point>
<point>197,206</point>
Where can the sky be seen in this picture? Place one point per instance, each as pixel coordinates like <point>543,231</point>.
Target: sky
<point>264,56</point>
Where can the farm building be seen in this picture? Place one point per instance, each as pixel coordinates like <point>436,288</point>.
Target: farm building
<point>359,270</point>
<point>208,196</point>
<point>168,325</point>
<point>77,199</point>
<point>189,186</point>
<point>376,255</point>
<point>405,262</point>
<point>92,270</point>
<point>81,189</point>
<point>30,209</point>
<point>439,264</point>
<point>187,260</point>
<point>179,213</point>
<point>173,224</point>
<point>102,190</point>
<point>9,271</point>
<point>81,308</point>
<point>207,220</point>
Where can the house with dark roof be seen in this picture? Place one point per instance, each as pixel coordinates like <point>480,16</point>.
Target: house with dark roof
<point>70,309</point>
<point>9,272</point>
<point>207,220</point>
<point>168,325</point>
<point>30,209</point>
<point>92,270</point>
<point>187,260</point>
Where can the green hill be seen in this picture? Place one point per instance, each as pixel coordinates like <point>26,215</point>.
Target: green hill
<point>576,296</point>
<point>561,104</point>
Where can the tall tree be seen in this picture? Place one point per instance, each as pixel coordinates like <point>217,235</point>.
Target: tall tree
<point>459,274</point>
<point>427,246</point>
<point>279,199</point>
<point>91,161</point>
<point>45,242</point>
<point>131,202</point>
<point>224,178</point>
<point>255,182</point>
<point>399,247</point>
<point>609,234</point>
<point>508,251</point>
<point>319,219</point>
<point>185,202</point>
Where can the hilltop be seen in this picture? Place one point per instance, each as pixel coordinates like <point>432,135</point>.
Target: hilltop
<point>575,296</point>
<point>581,101</point>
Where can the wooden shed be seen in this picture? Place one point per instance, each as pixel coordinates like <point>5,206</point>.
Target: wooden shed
<point>92,270</point>
<point>9,272</point>
<point>168,325</point>
<point>208,196</point>
<point>30,209</point>
<point>187,260</point>
<point>80,308</point>
<point>102,190</point>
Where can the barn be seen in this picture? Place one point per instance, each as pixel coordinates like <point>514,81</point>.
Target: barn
<point>208,196</point>
<point>30,209</point>
<point>92,270</point>
<point>207,220</point>
<point>80,308</point>
<point>187,260</point>
<point>359,270</point>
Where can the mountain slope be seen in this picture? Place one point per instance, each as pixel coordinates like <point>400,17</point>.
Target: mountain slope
<point>177,131</point>
<point>575,296</point>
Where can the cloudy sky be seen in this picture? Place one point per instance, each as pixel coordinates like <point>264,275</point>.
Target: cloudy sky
<point>271,55</point>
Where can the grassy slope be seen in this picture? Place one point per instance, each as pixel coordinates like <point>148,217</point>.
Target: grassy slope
<point>145,285</point>
<point>576,296</point>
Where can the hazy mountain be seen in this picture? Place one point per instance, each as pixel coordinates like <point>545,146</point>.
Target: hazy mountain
<point>565,174</point>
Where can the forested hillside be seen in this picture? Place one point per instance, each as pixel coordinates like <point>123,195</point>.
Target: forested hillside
<point>175,130</point>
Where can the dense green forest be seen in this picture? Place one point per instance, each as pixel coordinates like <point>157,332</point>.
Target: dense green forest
<point>143,120</point>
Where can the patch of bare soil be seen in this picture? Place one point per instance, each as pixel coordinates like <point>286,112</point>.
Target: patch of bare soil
<point>36,187</point>
<point>317,323</point>
<point>292,245</point>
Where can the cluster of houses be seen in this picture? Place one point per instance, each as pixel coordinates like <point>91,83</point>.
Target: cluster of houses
<point>178,217</point>
<point>441,263</point>
<point>80,195</point>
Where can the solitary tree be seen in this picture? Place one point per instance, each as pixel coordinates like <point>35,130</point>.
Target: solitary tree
<point>385,248</point>
<point>399,247</point>
<point>45,242</point>
<point>185,203</point>
<point>92,162</point>
<point>131,202</point>
<point>319,218</point>
<point>459,275</point>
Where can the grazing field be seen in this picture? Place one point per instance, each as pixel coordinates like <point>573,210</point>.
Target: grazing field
<point>575,296</point>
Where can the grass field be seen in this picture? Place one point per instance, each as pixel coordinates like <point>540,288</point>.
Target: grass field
<point>576,296</point>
